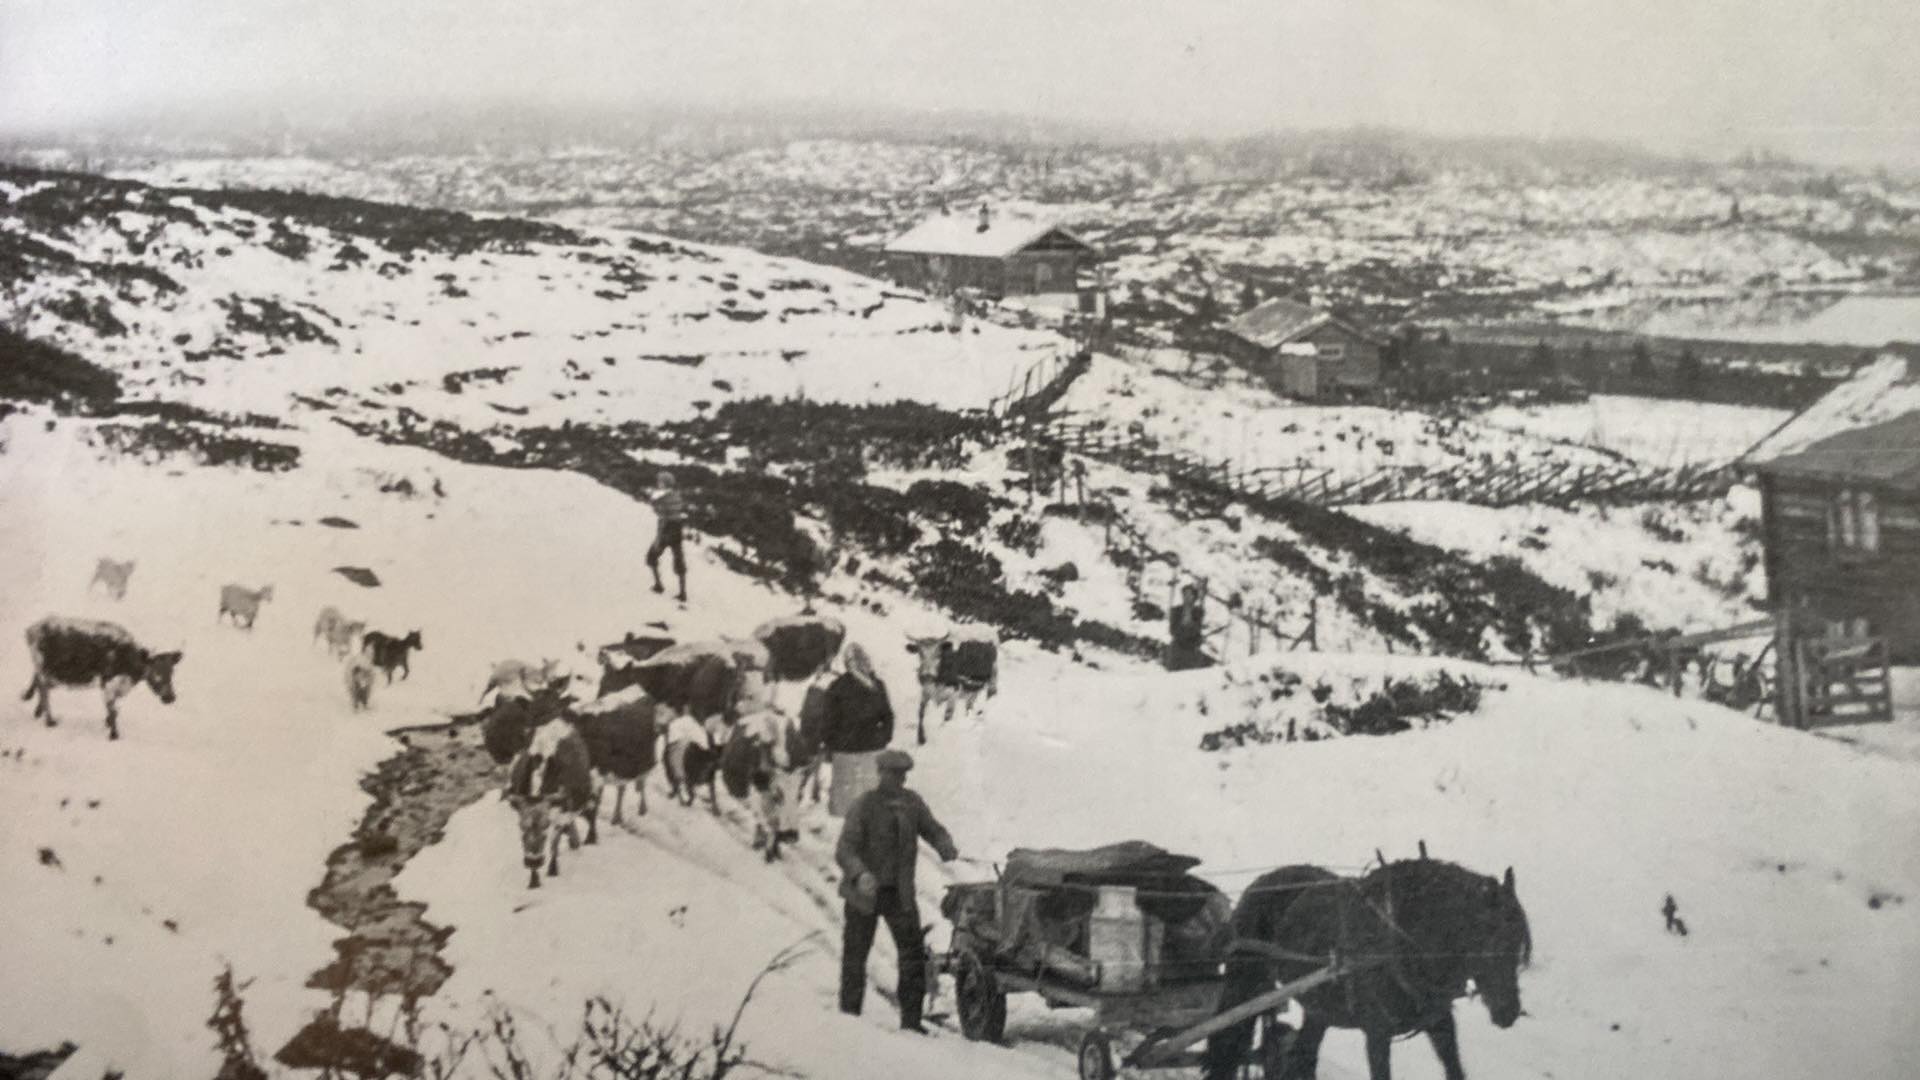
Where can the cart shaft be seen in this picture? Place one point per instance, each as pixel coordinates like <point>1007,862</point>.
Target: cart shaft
<point>1158,1052</point>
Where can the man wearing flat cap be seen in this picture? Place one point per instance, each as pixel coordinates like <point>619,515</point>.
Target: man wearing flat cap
<point>878,850</point>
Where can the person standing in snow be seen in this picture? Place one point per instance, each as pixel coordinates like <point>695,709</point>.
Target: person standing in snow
<point>847,714</point>
<point>877,853</point>
<point>669,535</point>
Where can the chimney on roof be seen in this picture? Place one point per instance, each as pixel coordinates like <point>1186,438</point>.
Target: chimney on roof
<point>986,219</point>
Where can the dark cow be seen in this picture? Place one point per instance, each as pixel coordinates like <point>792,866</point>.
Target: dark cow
<point>507,726</point>
<point>82,652</point>
<point>551,785</point>
<point>800,646</point>
<point>622,733</point>
<point>617,660</point>
<point>704,684</point>
<point>388,652</point>
<point>956,667</point>
<point>706,680</point>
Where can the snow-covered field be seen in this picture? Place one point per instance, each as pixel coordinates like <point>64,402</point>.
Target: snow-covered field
<point>218,812</point>
<point>1234,420</point>
<point>1653,431</point>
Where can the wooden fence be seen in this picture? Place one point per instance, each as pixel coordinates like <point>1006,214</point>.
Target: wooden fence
<point>1548,483</point>
<point>1254,622</point>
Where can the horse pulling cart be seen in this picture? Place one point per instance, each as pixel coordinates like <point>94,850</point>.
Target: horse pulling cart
<point>1125,931</point>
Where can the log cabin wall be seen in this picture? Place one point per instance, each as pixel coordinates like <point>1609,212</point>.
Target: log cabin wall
<point>1857,576</point>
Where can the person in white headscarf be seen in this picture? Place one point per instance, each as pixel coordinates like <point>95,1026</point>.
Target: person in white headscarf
<point>848,715</point>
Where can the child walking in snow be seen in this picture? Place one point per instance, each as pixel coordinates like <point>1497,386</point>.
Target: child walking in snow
<point>671,510</point>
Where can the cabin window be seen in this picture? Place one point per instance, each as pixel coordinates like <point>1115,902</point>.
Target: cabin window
<point>1042,274</point>
<point>1856,626</point>
<point>1330,352</point>
<point>1853,521</point>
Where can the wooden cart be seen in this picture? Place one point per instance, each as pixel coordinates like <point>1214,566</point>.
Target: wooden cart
<point>1154,1001</point>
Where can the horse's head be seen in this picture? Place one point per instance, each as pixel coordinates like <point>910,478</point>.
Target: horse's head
<point>1508,946</point>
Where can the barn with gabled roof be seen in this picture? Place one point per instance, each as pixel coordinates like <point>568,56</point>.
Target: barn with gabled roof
<point>1306,351</point>
<point>997,254</point>
<point>1840,504</point>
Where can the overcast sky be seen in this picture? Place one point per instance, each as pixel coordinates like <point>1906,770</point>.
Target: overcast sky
<point>1827,79</point>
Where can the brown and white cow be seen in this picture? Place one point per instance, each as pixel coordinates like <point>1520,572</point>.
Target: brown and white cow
<point>83,652</point>
<point>765,764</point>
<point>551,785</point>
<point>956,668</point>
<point>622,733</point>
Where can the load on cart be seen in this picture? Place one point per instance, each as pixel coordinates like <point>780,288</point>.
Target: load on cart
<point>1168,965</point>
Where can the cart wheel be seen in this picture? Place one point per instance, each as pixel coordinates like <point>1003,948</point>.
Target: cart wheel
<point>1096,1056</point>
<point>981,1003</point>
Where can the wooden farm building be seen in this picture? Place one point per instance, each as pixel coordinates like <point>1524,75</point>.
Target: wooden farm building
<point>1840,524</point>
<point>1305,351</point>
<point>997,254</point>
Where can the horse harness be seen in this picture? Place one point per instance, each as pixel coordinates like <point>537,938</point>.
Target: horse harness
<point>1393,962</point>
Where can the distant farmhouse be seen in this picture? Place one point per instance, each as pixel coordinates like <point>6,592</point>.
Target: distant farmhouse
<point>1840,498</point>
<point>1307,352</point>
<point>999,255</point>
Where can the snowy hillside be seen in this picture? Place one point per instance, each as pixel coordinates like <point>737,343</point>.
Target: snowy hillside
<point>274,304</point>
<point>1392,231</point>
<point>216,814</point>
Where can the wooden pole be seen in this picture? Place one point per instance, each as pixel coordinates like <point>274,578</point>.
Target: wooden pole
<point>1156,1050</point>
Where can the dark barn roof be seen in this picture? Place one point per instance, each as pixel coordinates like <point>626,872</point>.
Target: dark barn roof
<point>1885,453</point>
<point>1280,321</point>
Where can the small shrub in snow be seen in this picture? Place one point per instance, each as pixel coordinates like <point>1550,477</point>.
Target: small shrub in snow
<point>1092,513</point>
<point>1659,523</point>
<point>204,446</point>
<point>1395,705</point>
<point>1022,534</point>
<point>37,371</point>
<point>1401,703</point>
<point>949,502</point>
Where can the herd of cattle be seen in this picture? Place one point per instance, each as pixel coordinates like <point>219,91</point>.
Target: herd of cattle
<point>706,710</point>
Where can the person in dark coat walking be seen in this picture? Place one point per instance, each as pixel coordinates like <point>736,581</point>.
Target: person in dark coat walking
<point>878,851</point>
<point>671,510</point>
